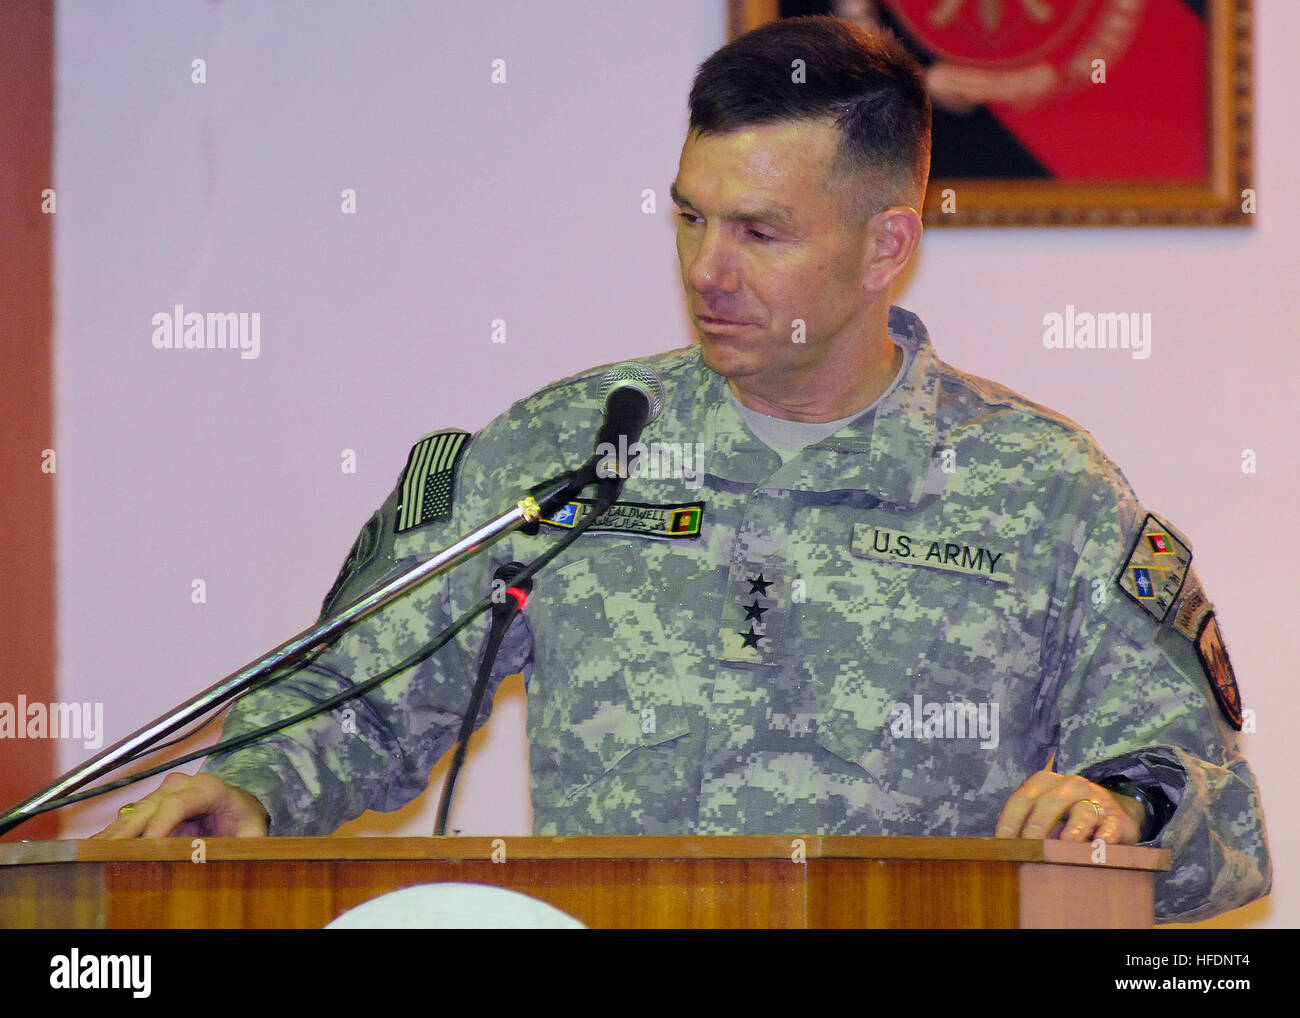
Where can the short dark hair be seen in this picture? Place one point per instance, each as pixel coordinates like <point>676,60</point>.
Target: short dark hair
<point>867,83</point>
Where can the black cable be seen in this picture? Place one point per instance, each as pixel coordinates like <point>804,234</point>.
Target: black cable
<point>501,623</point>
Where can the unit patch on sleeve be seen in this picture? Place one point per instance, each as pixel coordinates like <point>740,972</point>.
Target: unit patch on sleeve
<point>1218,669</point>
<point>1156,568</point>
<point>363,552</point>
<point>675,521</point>
<point>1192,612</point>
<point>427,482</point>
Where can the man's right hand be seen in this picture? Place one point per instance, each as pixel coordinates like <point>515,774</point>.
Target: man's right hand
<point>186,806</point>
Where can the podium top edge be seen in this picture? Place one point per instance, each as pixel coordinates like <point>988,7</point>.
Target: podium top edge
<point>776,848</point>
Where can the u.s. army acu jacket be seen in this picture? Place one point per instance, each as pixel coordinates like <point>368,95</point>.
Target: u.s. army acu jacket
<point>883,636</point>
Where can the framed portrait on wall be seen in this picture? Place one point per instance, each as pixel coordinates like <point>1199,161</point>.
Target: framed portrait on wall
<point>1073,112</point>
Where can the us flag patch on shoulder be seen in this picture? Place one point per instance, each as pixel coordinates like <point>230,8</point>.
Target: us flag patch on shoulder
<point>426,483</point>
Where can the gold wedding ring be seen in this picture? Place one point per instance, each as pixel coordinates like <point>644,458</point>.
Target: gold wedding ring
<point>1101,813</point>
<point>128,808</point>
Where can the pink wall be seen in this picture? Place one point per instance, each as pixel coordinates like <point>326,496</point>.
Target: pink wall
<point>522,201</point>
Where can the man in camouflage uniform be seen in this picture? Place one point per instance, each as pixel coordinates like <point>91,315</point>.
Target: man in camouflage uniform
<point>852,590</point>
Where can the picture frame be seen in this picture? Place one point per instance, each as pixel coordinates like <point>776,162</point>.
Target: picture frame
<point>1030,130</point>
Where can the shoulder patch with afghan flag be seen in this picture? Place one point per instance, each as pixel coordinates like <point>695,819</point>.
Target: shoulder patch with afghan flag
<point>675,521</point>
<point>427,482</point>
<point>1156,568</point>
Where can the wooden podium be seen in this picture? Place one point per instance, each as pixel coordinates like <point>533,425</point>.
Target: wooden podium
<point>628,882</point>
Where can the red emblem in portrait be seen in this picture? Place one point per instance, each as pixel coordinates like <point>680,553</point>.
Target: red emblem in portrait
<point>1072,90</point>
<point>1019,52</point>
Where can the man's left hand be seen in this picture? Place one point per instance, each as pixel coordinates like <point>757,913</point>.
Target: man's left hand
<point>1047,799</point>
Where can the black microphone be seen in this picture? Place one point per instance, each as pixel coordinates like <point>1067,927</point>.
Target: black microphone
<point>633,396</point>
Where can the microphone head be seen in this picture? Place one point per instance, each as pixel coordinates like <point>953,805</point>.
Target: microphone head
<point>635,376</point>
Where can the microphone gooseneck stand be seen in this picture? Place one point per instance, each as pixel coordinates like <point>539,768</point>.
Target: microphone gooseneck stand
<point>541,500</point>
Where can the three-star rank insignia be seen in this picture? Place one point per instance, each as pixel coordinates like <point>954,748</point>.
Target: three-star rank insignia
<point>753,621</point>
<point>1156,568</point>
<point>427,481</point>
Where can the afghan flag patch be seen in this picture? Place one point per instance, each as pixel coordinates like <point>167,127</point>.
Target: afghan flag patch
<point>427,482</point>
